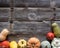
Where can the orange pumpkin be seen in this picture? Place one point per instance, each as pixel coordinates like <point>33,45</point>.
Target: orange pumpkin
<point>33,42</point>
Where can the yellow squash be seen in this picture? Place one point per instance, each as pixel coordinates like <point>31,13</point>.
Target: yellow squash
<point>13,44</point>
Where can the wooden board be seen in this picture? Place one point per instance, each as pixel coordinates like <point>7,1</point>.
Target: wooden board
<point>4,14</point>
<point>29,3</point>
<point>4,25</point>
<point>35,14</point>
<point>32,14</point>
<point>30,29</point>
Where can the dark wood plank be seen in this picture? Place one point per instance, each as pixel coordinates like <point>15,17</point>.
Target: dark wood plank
<point>4,14</point>
<point>4,3</point>
<point>32,3</point>
<point>29,3</point>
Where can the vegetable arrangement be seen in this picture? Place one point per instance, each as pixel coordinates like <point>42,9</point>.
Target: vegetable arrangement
<point>33,42</point>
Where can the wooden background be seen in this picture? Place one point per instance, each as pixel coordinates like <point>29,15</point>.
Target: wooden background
<point>28,18</point>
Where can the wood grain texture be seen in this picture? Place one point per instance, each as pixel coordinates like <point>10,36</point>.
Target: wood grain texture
<point>4,25</point>
<point>57,17</point>
<point>29,29</point>
<point>35,14</point>
<point>32,14</point>
<point>29,3</point>
<point>4,14</point>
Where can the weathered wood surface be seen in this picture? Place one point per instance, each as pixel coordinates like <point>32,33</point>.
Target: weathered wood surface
<point>35,14</point>
<point>30,29</point>
<point>4,25</point>
<point>31,14</point>
<point>4,14</point>
<point>26,21</point>
<point>30,3</point>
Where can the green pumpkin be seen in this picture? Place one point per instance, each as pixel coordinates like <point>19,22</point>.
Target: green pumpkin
<point>56,29</point>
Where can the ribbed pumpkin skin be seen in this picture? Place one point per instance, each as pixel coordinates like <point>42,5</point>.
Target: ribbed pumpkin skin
<point>33,42</point>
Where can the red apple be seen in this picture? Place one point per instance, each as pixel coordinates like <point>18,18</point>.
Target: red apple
<point>5,44</point>
<point>50,36</point>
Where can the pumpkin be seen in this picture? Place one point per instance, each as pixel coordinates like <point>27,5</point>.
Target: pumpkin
<point>0,44</point>
<point>13,44</point>
<point>45,44</point>
<point>5,44</point>
<point>55,43</point>
<point>33,42</point>
<point>22,43</point>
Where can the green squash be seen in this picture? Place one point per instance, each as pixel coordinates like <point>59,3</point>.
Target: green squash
<point>56,29</point>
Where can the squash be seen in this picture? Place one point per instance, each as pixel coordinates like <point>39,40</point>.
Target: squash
<point>56,29</point>
<point>22,43</point>
<point>33,42</point>
<point>3,34</point>
<point>2,38</point>
<point>13,44</point>
<point>45,44</point>
<point>5,44</point>
<point>55,43</point>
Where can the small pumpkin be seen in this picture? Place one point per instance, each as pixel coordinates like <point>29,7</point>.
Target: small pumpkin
<point>5,44</point>
<point>13,44</point>
<point>50,36</point>
<point>22,43</point>
<point>33,42</point>
<point>45,44</point>
<point>0,45</point>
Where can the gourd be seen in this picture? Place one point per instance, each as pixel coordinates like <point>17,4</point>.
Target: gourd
<point>5,44</point>
<point>50,36</point>
<point>3,34</point>
<point>22,43</point>
<point>55,43</point>
<point>56,29</point>
<point>33,42</point>
<point>2,38</point>
<point>13,44</point>
<point>45,44</point>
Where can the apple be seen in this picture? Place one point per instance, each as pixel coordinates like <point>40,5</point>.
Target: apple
<point>50,36</point>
